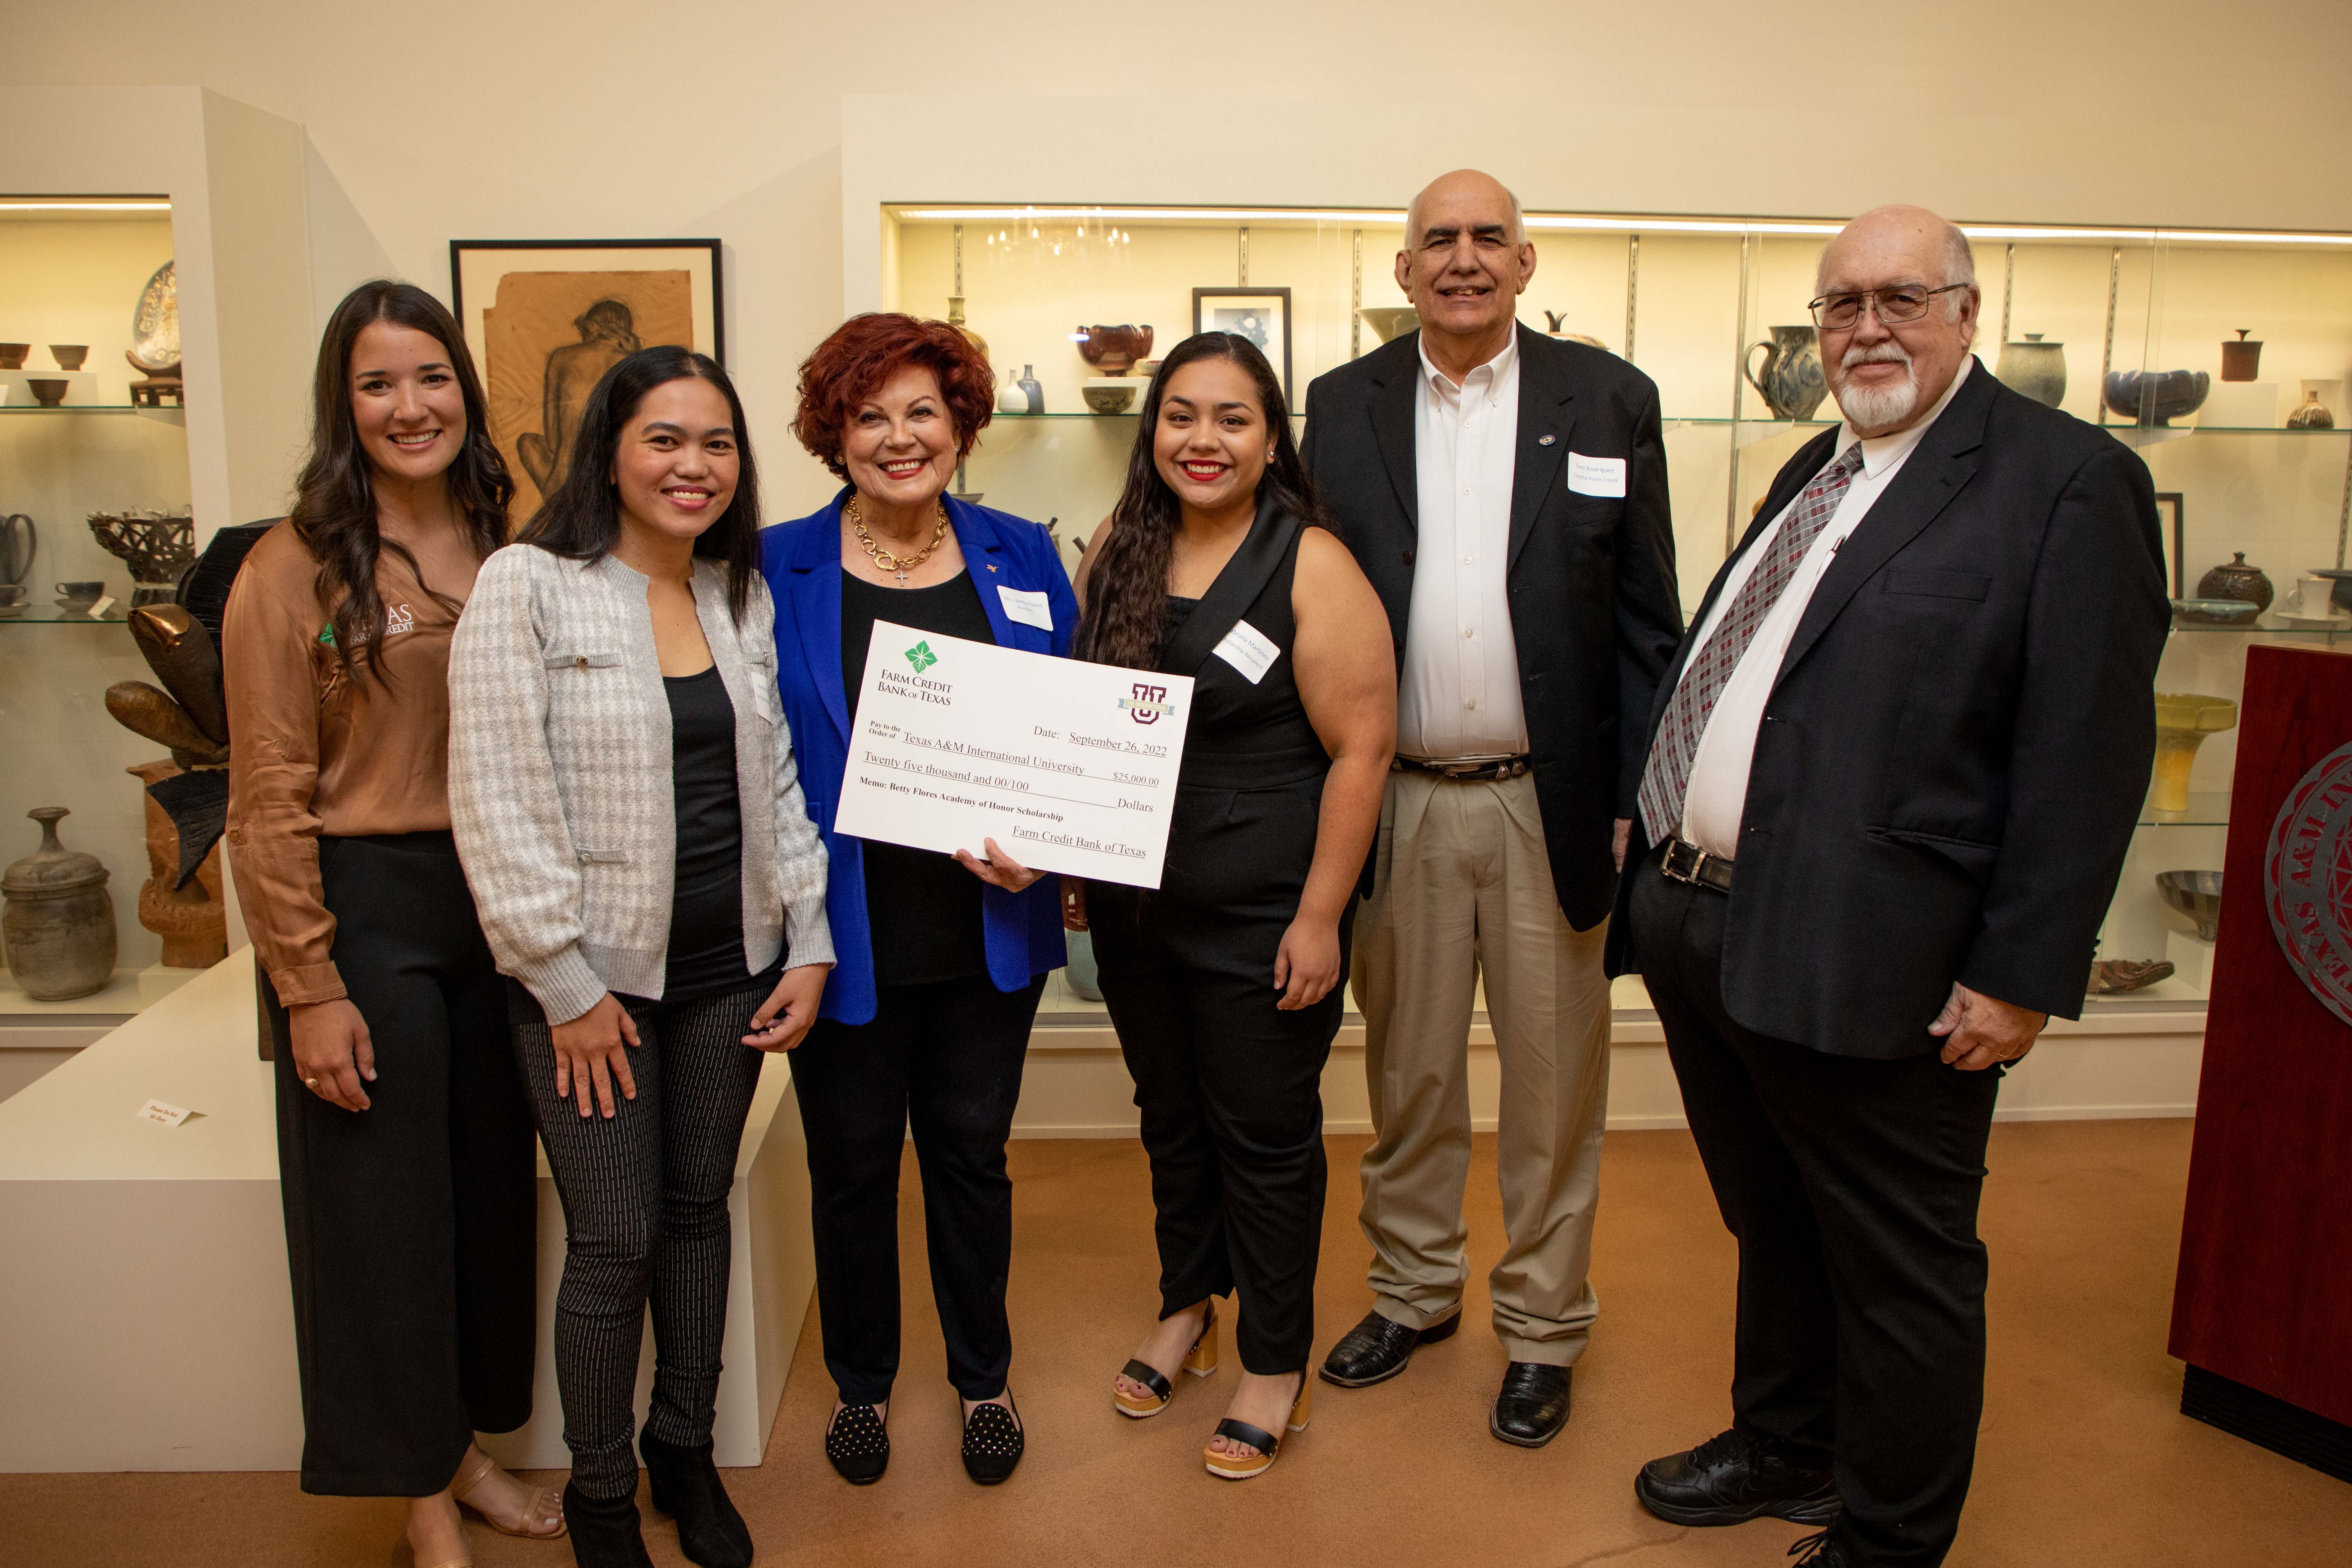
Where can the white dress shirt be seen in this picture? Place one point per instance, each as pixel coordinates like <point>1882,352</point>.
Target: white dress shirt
<point>1717,796</point>
<point>1459,691</point>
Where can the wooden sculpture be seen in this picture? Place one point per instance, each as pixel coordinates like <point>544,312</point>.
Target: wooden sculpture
<point>187,793</point>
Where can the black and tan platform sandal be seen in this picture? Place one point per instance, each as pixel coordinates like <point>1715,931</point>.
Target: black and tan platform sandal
<point>1199,1361</point>
<point>1230,1467</point>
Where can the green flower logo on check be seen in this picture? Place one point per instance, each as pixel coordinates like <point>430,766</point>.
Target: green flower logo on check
<point>921,657</point>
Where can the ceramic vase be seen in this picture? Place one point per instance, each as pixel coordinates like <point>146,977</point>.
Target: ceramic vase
<point>1792,382</point>
<point>2183,719</point>
<point>1033,393</point>
<point>2236,580</point>
<point>58,928</point>
<point>2035,369</point>
<point>2242,361</point>
<point>2313,413</point>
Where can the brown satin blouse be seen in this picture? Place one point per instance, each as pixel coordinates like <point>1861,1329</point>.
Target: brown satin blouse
<point>314,751</point>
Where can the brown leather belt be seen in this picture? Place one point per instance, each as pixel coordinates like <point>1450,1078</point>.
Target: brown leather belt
<point>1476,770</point>
<point>1689,863</point>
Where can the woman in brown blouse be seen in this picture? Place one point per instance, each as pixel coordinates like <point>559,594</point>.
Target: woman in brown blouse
<point>403,1134</point>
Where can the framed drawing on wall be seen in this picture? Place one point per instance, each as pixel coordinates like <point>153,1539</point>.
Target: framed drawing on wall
<point>544,319</point>
<point>1261,315</point>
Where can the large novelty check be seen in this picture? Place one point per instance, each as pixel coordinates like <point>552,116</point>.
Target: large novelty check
<point>1068,766</point>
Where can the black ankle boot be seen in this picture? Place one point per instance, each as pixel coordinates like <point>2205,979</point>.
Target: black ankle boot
<point>685,1486</point>
<point>603,1530</point>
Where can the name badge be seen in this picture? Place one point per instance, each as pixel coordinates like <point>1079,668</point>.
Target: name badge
<point>1249,650</point>
<point>1030,609</point>
<point>1596,475</point>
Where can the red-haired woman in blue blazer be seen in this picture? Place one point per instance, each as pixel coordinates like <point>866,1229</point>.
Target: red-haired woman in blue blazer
<point>941,960</point>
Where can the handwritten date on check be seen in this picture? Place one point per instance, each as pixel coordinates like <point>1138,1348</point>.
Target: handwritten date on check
<point>1070,766</point>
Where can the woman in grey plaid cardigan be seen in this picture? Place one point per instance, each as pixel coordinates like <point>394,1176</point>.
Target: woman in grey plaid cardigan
<point>627,806</point>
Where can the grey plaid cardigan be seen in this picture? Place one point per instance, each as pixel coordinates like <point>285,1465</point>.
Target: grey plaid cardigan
<point>560,783</point>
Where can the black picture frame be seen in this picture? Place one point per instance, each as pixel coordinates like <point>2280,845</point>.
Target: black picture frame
<point>2179,506</point>
<point>717,349</point>
<point>1202,306</point>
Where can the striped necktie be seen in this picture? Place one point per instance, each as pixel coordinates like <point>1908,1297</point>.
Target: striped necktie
<point>1665,779</point>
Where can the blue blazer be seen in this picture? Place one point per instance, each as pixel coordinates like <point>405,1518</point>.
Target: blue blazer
<point>801,561</point>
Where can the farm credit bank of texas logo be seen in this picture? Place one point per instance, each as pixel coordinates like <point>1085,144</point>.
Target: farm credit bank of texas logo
<point>921,657</point>
<point>2307,880</point>
<point>1148,703</point>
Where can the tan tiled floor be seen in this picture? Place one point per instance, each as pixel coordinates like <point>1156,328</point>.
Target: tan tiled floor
<point>2084,1460</point>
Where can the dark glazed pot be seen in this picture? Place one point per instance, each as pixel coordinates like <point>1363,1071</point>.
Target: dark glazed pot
<point>2242,361</point>
<point>1114,350</point>
<point>59,929</point>
<point>2237,580</point>
<point>2155,396</point>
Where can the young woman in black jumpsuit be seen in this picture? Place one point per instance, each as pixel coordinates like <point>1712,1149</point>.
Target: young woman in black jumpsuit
<point>1226,983</point>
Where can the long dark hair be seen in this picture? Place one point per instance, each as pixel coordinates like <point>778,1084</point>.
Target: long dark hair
<point>1127,587</point>
<point>582,520</point>
<point>334,501</point>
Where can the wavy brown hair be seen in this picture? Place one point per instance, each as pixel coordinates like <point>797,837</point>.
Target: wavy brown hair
<point>1126,617</point>
<point>863,353</point>
<point>334,511</point>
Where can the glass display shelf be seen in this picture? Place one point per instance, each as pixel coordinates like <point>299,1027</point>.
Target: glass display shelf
<point>2207,808</point>
<point>58,616</point>
<point>2293,633</point>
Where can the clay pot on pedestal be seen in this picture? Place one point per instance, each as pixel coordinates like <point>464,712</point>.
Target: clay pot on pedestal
<point>1792,382</point>
<point>2035,369</point>
<point>49,392</point>
<point>2236,580</point>
<point>59,929</point>
<point>70,355</point>
<point>12,355</point>
<point>2183,719</point>
<point>192,919</point>
<point>2242,361</point>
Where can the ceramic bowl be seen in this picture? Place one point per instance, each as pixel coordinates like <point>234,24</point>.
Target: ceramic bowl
<point>1391,321</point>
<point>70,355</point>
<point>2155,396</point>
<point>1146,368</point>
<point>2215,612</point>
<point>1112,350</point>
<point>48,393</point>
<point>81,591</point>
<point>2341,595</point>
<point>12,355</point>
<point>1108,399</point>
<point>2197,894</point>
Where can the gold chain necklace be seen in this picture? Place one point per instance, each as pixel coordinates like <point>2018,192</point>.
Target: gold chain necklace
<point>901,564</point>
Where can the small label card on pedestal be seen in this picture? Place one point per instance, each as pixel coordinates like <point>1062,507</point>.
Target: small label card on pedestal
<point>158,1110</point>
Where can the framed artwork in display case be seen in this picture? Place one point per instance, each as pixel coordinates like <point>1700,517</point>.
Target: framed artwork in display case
<point>1261,315</point>
<point>544,319</point>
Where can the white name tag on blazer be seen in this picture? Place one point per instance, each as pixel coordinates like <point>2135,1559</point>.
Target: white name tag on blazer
<point>1249,650</point>
<point>1030,609</point>
<point>1596,475</point>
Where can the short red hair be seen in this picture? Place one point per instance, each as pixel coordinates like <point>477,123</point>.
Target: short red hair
<point>862,355</point>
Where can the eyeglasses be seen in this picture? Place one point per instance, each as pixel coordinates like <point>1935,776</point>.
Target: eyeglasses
<point>1904,303</point>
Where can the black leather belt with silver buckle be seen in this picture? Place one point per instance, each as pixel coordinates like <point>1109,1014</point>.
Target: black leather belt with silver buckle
<point>1472,770</point>
<point>1689,863</point>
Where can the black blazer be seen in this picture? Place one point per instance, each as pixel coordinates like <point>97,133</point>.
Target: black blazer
<point>1595,611</point>
<point>1956,751</point>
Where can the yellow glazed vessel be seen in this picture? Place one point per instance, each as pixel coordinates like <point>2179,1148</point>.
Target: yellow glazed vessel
<point>2183,719</point>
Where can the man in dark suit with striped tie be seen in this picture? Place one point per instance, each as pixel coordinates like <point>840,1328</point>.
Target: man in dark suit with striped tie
<point>1892,777</point>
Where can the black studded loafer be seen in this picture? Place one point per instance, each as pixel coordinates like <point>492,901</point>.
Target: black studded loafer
<point>1532,1407</point>
<point>1376,1348</point>
<point>685,1486</point>
<point>858,1443</point>
<point>1735,1476</point>
<point>993,1444</point>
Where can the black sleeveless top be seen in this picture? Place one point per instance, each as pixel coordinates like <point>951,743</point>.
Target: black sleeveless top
<point>1251,783</point>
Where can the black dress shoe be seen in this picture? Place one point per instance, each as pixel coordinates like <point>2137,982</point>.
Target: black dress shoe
<point>1375,1349</point>
<point>605,1531</point>
<point>1533,1405</point>
<point>858,1443</point>
<point>993,1444</point>
<point>685,1486</point>
<point>1733,1478</point>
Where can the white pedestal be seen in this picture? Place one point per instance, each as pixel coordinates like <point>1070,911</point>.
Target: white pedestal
<point>145,1287</point>
<point>2193,959</point>
<point>2242,404</point>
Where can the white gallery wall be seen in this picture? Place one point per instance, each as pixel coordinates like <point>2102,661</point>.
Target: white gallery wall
<point>497,119</point>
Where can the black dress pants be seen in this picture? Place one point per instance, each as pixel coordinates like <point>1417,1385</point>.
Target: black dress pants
<point>411,1226</point>
<point>645,1211</point>
<point>1231,1091</point>
<point>1852,1186</point>
<point>946,1058</point>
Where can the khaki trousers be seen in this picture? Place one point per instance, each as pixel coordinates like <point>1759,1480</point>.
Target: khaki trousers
<point>1462,888</point>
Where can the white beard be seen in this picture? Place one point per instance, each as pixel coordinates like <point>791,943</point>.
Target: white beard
<point>1875,407</point>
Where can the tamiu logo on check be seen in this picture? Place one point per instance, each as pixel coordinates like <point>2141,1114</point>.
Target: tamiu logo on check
<point>921,657</point>
<point>1148,703</point>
